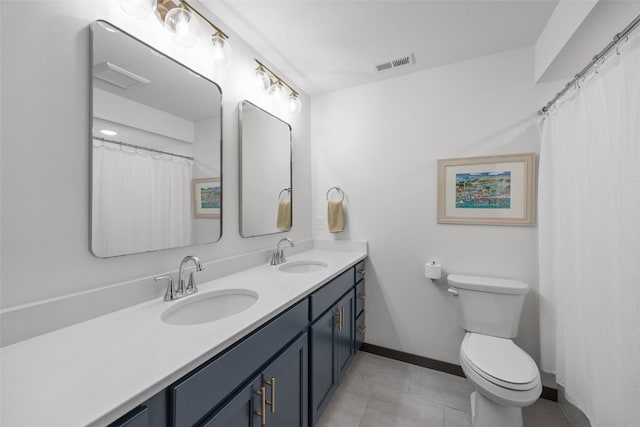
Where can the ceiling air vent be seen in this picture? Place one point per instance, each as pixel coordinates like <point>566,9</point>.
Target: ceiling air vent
<point>396,63</point>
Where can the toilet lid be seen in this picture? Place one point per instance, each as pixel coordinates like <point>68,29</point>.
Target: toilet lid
<point>499,360</point>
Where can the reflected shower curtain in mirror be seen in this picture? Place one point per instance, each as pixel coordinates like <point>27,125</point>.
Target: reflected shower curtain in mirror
<point>128,217</point>
<point>589,243</point>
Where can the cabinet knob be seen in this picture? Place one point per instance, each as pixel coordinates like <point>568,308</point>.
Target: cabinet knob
<point>360,272</point>
<point>361,329</point>
<point>362,296</point>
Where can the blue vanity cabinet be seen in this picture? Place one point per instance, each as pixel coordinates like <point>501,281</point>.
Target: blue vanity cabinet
<point>359,313</point>
<point>332,339</point>
<point>138,417</point>
<point>202,392</point>
<point>345,333</point>
<point>276,397</point>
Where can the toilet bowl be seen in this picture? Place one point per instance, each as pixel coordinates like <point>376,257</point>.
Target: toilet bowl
<point>504,376</point>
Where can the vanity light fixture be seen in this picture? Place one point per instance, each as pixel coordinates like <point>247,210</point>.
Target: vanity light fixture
<point>269,81</point>
<point>179,18</point>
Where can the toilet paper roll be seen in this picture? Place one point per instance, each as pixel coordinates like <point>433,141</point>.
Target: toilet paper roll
<point>432,271</point>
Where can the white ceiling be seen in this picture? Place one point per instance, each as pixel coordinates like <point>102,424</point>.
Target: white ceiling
<point>325,45</point>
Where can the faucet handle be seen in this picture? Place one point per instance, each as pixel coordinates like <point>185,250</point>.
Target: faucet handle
<point>192,288</point>
<point>169,295</point>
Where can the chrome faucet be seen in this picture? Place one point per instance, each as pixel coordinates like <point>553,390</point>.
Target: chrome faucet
<point>277,256</point>
<point>173,293</point>
<point>191,287</point>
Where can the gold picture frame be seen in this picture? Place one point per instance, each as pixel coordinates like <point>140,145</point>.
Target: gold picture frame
<point>493,190</point>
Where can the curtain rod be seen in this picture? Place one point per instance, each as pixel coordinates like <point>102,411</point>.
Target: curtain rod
<point>138,147</point>
<point>608,48</point>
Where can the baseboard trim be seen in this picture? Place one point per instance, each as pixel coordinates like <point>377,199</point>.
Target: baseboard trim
<point>548,393</point>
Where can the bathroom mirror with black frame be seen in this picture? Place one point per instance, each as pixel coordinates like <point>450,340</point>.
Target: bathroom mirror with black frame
<point>156,179</point>
<point>265,172</point>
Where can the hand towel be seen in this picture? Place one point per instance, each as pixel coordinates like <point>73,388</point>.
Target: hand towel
<point>335,217</point>
<point>284,216</point>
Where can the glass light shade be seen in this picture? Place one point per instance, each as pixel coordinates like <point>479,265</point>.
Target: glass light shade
<point>222,52</point>
<point>277,90</point>
<point>294,105</point>
<point>183,25</point>
<point>138,8</point>
<point>262,79</point>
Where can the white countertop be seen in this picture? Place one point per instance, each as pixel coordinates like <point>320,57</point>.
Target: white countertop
<point>93,372</point>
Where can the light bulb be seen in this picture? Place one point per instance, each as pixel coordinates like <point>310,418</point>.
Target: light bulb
<point>294,105</point>
<point>183,25</point>
<point>138,8</point>
<point>277,90</point>
<point>221,50</point>
<point>262,79</point>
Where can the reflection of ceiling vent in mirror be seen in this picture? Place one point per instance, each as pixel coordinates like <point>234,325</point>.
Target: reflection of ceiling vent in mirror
<point>118,76</point>
<point>396,63</point>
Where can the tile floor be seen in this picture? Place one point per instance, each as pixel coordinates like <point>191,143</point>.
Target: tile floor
<point>383,392</point>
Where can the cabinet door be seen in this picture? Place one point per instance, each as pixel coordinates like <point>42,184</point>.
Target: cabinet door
<point>322,363</point>
<point>345,336</point>
<point>287,385</point>
<point>242,410</point>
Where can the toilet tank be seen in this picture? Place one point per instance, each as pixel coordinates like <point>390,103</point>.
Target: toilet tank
<point>489,305</point>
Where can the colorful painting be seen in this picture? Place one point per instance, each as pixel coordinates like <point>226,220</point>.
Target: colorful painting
<point>483,190</point>
<point>492,190</point>
<point>210,197</point>
<point>207,197</point>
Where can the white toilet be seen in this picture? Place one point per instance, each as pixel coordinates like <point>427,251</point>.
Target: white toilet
<point>504,376</point>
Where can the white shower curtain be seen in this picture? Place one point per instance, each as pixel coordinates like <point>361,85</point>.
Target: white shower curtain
<point>141,201</point>
<point>589,229</point>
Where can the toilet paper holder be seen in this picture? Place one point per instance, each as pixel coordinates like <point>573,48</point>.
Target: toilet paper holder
<point>433,271</point>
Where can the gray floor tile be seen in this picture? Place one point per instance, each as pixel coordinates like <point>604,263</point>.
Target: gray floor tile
<point>445,389</point>
<point>544,413</point>
<point>381,392</point>
<point>456,418</point>
<point>389,408</point>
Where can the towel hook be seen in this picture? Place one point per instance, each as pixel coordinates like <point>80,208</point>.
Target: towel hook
<point>338,189</point>
<point>284,190</point>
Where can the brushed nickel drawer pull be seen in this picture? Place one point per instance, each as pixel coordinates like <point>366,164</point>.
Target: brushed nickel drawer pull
<point>263,413</point>
<point>362,296</point>
<point>361,272</point>
<point>272,403</point>
<point>361,330</point>
<point>338,319</point>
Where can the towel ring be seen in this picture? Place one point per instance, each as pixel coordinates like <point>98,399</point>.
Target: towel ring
<point>338,189</point>
<point>285,190</point>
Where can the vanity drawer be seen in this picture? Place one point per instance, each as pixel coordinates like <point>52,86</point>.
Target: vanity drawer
<point>327,296</point>
<point>196,395</point>
<point>360,296</point>
<point>359,271</point>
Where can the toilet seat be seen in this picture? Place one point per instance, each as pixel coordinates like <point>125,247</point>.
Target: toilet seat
<point>499,361</point>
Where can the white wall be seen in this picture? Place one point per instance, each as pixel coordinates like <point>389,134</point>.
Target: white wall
<point>380,143</point>
<point>45,79</point>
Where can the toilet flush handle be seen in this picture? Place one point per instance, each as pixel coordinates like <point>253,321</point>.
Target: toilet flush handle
<point>452,292</point>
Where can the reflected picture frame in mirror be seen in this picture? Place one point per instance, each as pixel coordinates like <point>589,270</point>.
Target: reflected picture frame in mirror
<point>156,130</point>
<point>266,183</point>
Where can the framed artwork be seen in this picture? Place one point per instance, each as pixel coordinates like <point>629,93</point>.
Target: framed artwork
<point>207,197</point>
<point>496,190</point>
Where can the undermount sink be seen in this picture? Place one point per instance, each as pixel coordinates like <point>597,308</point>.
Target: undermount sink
<point>303,266</point>
<point>209,306</point>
